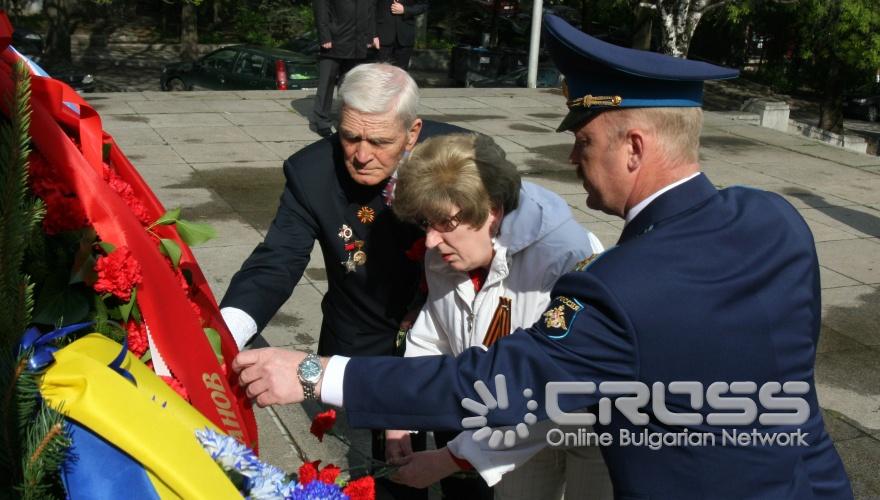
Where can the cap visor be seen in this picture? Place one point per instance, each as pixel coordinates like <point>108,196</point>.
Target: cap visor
<point>577,117</point>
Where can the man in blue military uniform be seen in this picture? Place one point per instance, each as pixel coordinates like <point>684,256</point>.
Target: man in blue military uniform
<point>717,290</point>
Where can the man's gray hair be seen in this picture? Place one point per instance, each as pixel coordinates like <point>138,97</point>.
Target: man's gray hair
<point>378,88</point>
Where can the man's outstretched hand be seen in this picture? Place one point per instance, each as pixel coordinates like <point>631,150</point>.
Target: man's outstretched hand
<point>269,376</point>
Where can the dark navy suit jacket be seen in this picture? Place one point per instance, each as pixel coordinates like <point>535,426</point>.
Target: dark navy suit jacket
<point>704,285</point>
<point>363,309</point>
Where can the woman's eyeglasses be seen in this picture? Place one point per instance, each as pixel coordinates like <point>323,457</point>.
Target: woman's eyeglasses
<point>442,226</point>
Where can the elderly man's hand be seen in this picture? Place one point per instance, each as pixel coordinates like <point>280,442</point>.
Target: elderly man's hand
<point>269,376</point>
<point>398,446</point>
<point>424,468</point>
<point>396,7</point>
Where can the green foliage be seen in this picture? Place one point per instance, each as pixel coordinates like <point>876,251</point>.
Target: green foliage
<point>192,233</point>
<point>214,339</point>
<point>33,441</point>
<point>273,22</point>
<point>844,31</point>
<point>18,212</point>
<point>811,36</point>
<point>170,249</point>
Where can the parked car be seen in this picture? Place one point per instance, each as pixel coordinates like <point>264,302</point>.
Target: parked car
<point>79,79</point>
<point>548,77</point>
<point>30,44</point>
<point>864,102</point>
<point>243,67</point>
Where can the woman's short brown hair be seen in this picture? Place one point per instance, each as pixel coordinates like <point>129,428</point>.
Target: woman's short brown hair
<point>469,171</point>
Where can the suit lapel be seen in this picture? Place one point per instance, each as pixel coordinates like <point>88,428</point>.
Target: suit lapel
<point>671,203</point>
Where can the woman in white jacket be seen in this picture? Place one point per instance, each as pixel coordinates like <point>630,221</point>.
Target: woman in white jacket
<point>495,248</point>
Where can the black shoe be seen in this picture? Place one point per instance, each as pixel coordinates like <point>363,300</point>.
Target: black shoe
<point>325,132</point>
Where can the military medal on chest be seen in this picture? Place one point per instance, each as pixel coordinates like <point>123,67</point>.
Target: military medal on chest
<point>366,215</point>
<point>354,249</point>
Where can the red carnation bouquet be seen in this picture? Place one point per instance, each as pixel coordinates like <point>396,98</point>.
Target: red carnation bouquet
<point>111,254</point>
<point>108,253</point>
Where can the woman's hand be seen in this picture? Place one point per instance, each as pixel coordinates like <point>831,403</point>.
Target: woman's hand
<point>398,446</point>
<point>425,468</point>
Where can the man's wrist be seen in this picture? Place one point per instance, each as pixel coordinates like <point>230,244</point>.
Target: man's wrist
<point>456,463</point>
<point>324,362</point>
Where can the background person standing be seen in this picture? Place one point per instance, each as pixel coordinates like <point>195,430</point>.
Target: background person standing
<point>346,30</point>
<point>396,27</point>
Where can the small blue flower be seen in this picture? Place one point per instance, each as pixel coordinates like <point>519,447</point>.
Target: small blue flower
<point>316,490</point>
<point>264,481</point>
<point>226,451</point>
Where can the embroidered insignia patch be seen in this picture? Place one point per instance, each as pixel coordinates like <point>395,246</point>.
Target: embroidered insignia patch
<point>555,318</point>
<point>560,315</point>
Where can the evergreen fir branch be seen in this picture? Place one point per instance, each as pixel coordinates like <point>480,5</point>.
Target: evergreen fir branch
<point>9,392</point>
<point>54,431</point>
<point>41,468</point>
<point>34,441</point>
<point>14,152</point>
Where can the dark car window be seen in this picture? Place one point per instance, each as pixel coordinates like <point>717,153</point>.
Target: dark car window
<point>250,64</point>
<point>221,60</point>
<point>269,70</point>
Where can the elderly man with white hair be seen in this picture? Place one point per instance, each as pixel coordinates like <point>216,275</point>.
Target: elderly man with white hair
<point>338,192</point>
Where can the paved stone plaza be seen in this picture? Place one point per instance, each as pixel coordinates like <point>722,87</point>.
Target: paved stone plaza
<point>218,156</point>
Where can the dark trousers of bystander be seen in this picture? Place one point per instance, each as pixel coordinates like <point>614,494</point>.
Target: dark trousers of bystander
<point>396,55</point>
<point>330,72</point>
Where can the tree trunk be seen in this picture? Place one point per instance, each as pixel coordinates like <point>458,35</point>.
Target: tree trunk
<point>679,20</point>
<point>422,30</point>
<point>643,26</point>
<point>189,34</point>
<point>58,37</point>
<point>831,107</point>
<point>217,8</point>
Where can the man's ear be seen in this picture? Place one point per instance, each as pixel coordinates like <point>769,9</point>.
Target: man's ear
<point>635,144</point>
<point>412,135</point>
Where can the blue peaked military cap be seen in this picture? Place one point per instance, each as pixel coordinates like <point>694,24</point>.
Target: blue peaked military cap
<point>601,76</point>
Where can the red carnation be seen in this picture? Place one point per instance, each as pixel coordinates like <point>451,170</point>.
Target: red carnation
<point>361,489</point>
<point>127,194</point>
<point>176,385</point>
<point>308,472</point>
<point>137,337</point>
<point>63,213</point>
<point>329,474</point>
<point>118,273</point>
<point>322,423</point>
<point>416,252</point>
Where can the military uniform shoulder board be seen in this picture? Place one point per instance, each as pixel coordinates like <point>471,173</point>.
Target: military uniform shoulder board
<point>560,315</point>
<point>581,265</point>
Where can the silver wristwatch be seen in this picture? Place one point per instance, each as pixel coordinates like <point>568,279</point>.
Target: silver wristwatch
<point>309,373</point>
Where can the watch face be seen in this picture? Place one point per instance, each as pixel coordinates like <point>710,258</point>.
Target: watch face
<point>310,370</point>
